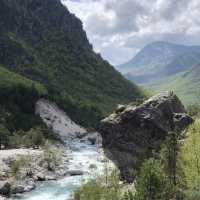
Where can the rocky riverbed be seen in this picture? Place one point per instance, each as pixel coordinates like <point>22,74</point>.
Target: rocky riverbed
<point>21,169</point>
<point>85,161</point>
<point>81,157</point>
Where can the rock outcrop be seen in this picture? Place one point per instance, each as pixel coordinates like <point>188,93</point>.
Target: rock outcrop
<point>57,120</point>
<point>133,132</point>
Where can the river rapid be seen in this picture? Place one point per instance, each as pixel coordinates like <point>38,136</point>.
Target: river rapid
<point>83,156</point>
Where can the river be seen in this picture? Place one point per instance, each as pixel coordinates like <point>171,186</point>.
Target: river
<point>82,157</point>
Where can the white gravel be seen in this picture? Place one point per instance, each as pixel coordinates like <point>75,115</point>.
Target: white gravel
<point>12,154</point>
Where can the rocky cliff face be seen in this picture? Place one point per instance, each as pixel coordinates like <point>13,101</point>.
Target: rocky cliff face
<point>133,132</point>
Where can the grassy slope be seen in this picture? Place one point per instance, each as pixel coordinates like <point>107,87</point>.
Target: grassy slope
<point>184,84</point>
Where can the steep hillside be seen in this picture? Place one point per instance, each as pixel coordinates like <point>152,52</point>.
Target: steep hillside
<point>10,80</point>
<point>186,85</point>
<point>43,41</point>
<point>17,106</point>
<point>159,60</point>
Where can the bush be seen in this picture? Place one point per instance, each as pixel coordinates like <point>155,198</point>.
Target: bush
<point>52,156</point>
<point>4,136</point>
<point>193,110</point>
<point>190,156</point>
<point>32,138</point>
<point>152,183</point>
<point>20,166</point>
<point>100,188</point>
<point>192,194</point>
<point>128,196</point>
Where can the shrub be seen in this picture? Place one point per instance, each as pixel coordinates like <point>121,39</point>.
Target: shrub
<point>20,166</point>
<point>128,196</point>
<point>100,188</point>
<point>4,136</point>
<point>192,194</point>
<point>33,138</point>
<point>193,110</point>
<point>190,155</point>
<point>52,156</point>
<point>152,182</point>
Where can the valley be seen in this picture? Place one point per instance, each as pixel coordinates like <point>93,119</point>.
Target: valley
<point>73,126</point>
<point>163,66</point>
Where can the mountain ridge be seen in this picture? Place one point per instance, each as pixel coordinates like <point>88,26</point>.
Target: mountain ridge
<point>160,59</point>
<point>42,41</point>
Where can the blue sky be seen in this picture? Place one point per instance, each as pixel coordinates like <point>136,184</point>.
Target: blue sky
<point>118,29</point>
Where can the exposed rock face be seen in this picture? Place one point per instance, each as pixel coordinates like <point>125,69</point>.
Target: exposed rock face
<point>132,132</point>
<point>57,120</point>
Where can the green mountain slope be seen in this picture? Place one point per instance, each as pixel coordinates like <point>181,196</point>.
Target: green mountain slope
<point>19,126</point>
<point>17,101</point>
<point>43,41</point>
<point>162,66</point>
<point>160,60</point>
<point>10,80</point>
<point>185,84</point>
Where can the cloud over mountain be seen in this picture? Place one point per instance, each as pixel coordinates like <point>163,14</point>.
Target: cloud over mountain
<point>118,29</point>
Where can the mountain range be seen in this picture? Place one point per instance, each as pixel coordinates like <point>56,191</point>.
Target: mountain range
<point>43,43</point>
<point>166,66</point>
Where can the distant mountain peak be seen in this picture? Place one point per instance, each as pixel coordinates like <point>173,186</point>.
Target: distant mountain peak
<point>159,59</point>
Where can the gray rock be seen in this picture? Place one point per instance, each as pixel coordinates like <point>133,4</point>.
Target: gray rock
<point>93,138</point>
<point>2,198</point>
<point>50,177</point>
<point>132,133</point>
<point>5,188</point>
<point>40,177</point>
<point>18,189</point>
<point>23,186</point>
<point>120,108</point>
<point>75,172</point>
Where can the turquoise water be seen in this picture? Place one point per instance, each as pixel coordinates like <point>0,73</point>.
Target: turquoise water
<point>83,155</point>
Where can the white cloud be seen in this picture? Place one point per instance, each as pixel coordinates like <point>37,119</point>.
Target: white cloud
<point>119,28</point>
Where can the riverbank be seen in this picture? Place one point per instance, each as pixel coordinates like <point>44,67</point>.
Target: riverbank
<point>81,157</point>
<point>84,161</point>
<point>21,169</point>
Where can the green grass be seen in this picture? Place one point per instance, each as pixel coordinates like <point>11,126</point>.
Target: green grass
<point>184,85</point>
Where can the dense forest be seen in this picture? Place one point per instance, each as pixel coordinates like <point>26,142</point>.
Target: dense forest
<point>44,42</point>
<point>19,126</point>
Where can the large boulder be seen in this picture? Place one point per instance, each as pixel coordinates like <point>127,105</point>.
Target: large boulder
<point>5,188</point>
<point>133,132</point>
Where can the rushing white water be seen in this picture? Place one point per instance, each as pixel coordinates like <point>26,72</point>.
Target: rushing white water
<point>82,157</point>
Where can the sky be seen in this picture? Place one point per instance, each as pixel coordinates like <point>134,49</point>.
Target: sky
<point>118,29</point>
